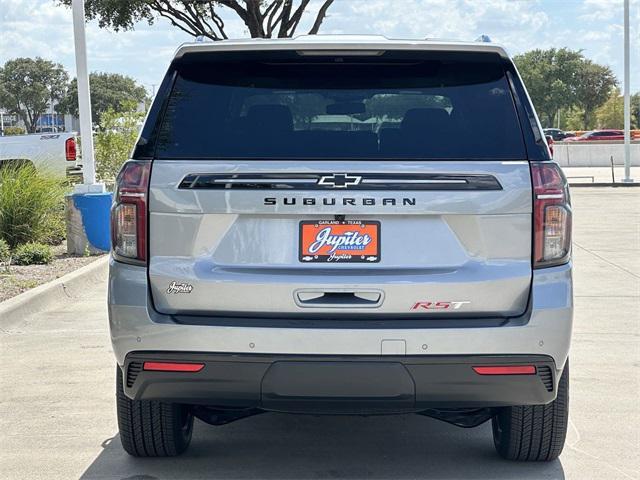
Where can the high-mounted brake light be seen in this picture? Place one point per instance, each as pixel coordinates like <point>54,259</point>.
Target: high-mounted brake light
<point>551,215</point>
<point>70,149</point>
<point>129,213</point>
<point>172,367</point>
<point>506,370</point>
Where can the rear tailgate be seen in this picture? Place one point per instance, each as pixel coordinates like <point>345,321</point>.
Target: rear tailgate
<point>414,160</point>
<point>228,250</point>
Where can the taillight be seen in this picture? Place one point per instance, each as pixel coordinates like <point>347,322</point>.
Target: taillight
<point>551,215</point>
<point>70,149</point>
<point>129,213</point>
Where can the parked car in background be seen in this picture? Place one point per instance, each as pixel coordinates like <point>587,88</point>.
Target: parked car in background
<point>596,135</point>
<point>556,134</point>
<point>55,152</point>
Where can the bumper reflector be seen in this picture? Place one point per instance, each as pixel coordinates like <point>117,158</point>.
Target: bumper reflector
<point>172,367</point>
<point>506,370</point>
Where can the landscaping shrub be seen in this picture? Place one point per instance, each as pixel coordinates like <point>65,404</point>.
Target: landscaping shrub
<point>31,205</point>
<point>5,253</point>
<point>14,131</point>
<point>115,139</point>
<point>33,253</point>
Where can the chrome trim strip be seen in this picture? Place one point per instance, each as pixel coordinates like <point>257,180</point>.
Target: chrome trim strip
<point>265,180</point>
<point>339,181</point>
<point>391,180</point>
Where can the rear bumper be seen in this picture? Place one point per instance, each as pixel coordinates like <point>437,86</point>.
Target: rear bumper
<point>135,327</point>
<point>334,384</point>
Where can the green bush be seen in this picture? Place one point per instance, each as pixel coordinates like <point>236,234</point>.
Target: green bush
<point>31,205</point>
<point>14,131</point>
<point>5,252</point>
<point>32,253</point>
<point>115,139</point>
<point>55,229</point>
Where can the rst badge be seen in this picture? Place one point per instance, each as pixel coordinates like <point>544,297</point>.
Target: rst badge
<point>345,241</point>
<point>439,305</point>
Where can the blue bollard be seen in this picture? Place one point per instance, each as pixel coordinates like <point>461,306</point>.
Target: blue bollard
<point>94,209</point>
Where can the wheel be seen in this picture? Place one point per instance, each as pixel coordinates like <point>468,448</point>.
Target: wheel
<point>151,428</point>
<point>537,432</point>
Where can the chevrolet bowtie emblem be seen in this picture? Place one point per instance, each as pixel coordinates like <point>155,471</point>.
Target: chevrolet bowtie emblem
<point>339,180</point>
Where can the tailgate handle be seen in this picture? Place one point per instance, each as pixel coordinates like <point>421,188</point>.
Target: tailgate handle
<point>323,298</point>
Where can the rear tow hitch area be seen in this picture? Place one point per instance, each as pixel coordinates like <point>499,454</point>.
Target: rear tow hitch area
<point>462,417</point>
<point>217,417</point>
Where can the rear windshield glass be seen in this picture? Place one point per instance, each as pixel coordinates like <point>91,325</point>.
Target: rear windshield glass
<point>422,106</point>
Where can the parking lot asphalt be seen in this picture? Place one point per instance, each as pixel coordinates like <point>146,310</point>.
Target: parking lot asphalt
<point>57,414</point>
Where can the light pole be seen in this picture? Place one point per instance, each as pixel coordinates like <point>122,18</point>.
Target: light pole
<point>84,100</point>
<point>87,210</point>
<point>627,98</point>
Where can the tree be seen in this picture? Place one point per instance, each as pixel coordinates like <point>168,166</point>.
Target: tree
<point>560,79</point>
<point>593,88</point>
<point>115,138</point>
<point>635,109</point>
<point>28,85</point>
<point>550,77</point>
<point>611,113</point>
<point>108,91</point>
<point>263,18</point>
<point>572,119</point>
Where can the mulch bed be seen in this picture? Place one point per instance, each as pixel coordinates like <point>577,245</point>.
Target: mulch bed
<point>17,279</point>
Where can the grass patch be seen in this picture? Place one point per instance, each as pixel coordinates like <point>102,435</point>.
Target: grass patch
<point>31,205</point>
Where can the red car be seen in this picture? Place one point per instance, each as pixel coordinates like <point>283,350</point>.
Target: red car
<point>598,135</point>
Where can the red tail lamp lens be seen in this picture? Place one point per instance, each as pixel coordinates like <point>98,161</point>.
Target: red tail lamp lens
<point>172,367</point>
<point>70,149</point>
<point>551,215</point>
<point>129,212</point>
<point>506,370</point>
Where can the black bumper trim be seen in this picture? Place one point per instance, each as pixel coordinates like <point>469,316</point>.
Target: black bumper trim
<point>340,384</point>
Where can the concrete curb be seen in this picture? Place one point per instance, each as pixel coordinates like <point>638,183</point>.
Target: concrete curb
<point>68,287</point>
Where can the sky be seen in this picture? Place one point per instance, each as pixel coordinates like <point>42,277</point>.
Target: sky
<point>30,28</point>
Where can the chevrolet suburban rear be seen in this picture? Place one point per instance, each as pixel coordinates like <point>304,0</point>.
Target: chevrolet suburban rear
<point>342,225</point>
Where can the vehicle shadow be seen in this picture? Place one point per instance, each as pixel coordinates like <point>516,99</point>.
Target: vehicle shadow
<point>276,446</point>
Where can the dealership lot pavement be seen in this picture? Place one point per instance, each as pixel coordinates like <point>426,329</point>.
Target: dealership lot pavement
<point>57,416</point>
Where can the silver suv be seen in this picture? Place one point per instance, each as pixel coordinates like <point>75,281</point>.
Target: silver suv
<point>342,225</point>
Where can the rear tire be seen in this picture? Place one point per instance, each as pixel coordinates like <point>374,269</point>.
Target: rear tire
<point>151,428</point>
<point>537,432</point>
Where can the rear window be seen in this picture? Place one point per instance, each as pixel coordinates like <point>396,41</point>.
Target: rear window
<point>288,106</point>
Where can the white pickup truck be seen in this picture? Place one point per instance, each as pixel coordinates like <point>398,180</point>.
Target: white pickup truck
<point>55,152</point>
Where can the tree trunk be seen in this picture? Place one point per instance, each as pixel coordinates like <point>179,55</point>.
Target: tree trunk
<point>586,119</point>
<point>254,19</point>
<point>29,121</point>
